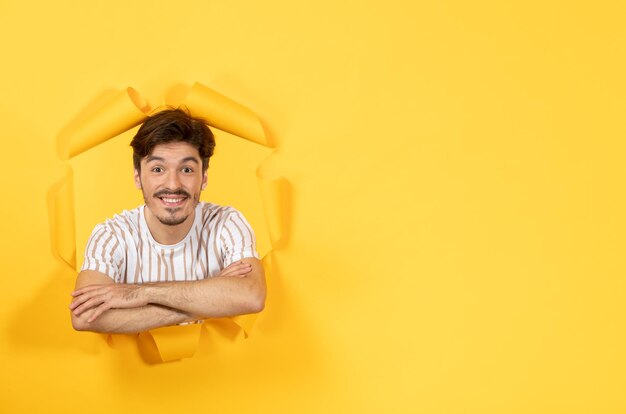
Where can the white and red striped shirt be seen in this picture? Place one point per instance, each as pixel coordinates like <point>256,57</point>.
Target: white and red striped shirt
<point>124,249</point>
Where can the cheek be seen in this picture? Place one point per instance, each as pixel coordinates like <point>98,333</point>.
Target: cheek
<point>149,188</point>
<point>193,183</point>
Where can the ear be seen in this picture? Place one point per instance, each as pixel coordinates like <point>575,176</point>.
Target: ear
<point>204,181</point>
<point>137,179</point>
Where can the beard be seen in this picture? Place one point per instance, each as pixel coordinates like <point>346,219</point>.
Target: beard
<point>172,219</point>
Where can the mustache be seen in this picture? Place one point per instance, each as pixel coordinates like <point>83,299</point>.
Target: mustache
<point>168,192</point>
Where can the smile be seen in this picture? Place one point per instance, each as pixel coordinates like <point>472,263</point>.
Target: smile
<point>173,201</point>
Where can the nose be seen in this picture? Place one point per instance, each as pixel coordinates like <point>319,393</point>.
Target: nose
<point>173,180</point>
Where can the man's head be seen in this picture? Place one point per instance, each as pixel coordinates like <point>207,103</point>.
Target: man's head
<point>171,154</point>
<point>173,125</point>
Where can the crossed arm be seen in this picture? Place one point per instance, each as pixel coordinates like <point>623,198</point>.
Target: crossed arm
<point>100,305</point>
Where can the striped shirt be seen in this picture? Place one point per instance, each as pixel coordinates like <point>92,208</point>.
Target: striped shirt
<point>124,249</point>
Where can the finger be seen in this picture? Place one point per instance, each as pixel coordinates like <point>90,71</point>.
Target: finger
<point>240,269</point>
<point>229,266</point>
<point>243,271</point>
<point>79,300</point>
<point>86,289</point>
<point>229,269</point>
<point>237,274</point>
<point>91,303</point>
<point>98,311</point>
<point>87,314</point>
<point>235,264</point>
<point>85,296</point>
<point>244,267</point>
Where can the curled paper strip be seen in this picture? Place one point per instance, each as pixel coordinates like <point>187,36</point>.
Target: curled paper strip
<point>62,220</point>
<point>225,114</point>
<point>169,343</point>
<point>119,114</point>
<point>275,200</point>
<point>124,111</point>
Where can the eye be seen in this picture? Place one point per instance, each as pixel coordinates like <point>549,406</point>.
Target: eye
<point>187,170</point>
<point>157,170</point>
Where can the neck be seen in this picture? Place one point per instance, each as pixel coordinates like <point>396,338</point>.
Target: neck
<point>165,234</point>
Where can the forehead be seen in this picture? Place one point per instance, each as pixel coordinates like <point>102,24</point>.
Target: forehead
<point>173,152</point>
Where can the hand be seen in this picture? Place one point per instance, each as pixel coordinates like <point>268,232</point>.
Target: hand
<point>95,299</point>
<point>239,269</point>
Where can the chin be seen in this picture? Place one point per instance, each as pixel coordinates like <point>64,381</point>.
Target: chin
<point>172,221</point>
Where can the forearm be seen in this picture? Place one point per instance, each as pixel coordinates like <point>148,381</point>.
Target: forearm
<point>103,306</point>
<point>131,320</point>
<point>210,298</point>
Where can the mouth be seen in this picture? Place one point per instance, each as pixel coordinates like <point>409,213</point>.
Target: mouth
<point>170,200</point>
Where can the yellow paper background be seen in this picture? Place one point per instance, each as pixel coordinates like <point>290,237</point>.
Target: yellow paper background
<point>456,221</point>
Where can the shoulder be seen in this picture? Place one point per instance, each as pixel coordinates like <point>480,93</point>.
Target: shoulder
<point>232,234</point>
<point>213,214</point>
<point>121,225</point>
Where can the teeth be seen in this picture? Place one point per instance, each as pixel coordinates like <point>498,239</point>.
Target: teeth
<point>171,200</point>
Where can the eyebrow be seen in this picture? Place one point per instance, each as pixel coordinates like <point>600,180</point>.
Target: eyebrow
<point>186,159</point>
<point>193,159</point>
<point>153,158</point>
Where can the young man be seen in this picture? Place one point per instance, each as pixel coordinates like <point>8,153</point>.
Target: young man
<point>174,259</point>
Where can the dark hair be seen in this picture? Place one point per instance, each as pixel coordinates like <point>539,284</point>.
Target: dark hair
<point>173,125</point>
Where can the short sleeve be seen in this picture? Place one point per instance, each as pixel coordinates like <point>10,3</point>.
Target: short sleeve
<point>237,238</point>
<point>104,253</point>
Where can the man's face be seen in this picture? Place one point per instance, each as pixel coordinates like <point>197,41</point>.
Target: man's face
<point>171,180</point>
